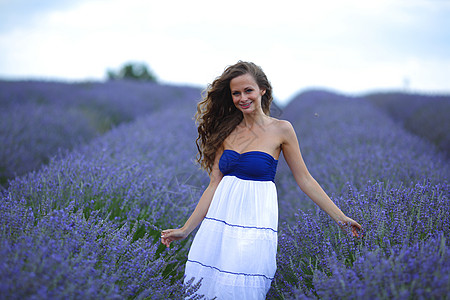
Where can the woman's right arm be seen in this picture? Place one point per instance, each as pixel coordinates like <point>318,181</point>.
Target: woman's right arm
<point>170,235</point>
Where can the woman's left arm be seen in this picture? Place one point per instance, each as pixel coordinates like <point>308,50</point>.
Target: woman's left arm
<point>294,159</point>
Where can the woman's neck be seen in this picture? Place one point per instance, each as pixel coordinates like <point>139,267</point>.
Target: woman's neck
<point>250,120</point>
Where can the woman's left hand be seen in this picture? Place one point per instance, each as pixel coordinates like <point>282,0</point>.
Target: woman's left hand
<point>347,224</point>
<point>170,235</point>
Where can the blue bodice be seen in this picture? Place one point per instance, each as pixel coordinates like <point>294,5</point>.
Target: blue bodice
<point>252,165</point>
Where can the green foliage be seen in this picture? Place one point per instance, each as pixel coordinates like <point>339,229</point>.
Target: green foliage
<point>133,71</point>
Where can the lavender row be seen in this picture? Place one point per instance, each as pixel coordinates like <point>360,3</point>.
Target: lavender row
<point>122,99</point>
<point>31,134</point>
<point>130,171</point>
<point>347,140</point>
<point>406,235</point>
<point>38,119</point>
<point>88,224</point>
<point>68,255</point>
<point>424,115</point>
<point>393,182</point>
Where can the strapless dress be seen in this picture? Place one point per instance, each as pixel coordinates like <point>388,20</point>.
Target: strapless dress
<point>234,249</point>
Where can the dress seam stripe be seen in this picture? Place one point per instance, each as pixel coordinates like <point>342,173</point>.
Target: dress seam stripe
<point>248,178</point>
<point>234,273</point>
<point>242,226</point>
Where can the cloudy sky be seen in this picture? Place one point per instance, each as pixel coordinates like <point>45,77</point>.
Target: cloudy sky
<point>351,46</point>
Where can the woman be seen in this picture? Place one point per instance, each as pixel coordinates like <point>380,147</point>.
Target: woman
<point>234,250</point>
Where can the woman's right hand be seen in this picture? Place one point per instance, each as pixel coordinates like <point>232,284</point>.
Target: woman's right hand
<point>170,235</point>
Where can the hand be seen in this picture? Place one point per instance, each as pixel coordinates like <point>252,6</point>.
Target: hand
<point>347,224</point>
<point>170,235</point>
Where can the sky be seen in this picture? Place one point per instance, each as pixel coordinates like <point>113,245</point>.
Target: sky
<point>348,46</point>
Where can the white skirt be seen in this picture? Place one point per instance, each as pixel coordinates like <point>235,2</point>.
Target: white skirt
<point>234,250</point>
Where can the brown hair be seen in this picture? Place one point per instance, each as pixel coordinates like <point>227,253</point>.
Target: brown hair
<point>217,116</point>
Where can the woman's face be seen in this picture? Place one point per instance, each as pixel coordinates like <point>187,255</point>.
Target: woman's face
<point>246,93</point>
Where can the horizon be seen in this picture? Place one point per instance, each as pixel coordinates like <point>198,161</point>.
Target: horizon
<point>280,104</point>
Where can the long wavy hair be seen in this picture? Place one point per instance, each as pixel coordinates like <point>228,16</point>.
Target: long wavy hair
<point>217,116</point>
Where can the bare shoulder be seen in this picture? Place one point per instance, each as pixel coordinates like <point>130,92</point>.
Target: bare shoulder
<point>283,127</point>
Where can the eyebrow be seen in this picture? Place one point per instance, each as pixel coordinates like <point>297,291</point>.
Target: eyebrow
<point>246,88</point>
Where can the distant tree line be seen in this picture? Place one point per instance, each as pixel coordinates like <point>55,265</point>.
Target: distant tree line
<point>132,71</point>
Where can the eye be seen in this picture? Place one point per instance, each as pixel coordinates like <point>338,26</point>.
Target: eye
<point>235,93</point>
<point>249,90</point>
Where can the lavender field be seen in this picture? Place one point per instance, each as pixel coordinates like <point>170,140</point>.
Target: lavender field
<point>92,173</point>
<point>39,119</point>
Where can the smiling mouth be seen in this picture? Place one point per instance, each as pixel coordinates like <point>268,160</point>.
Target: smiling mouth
<point>246,105</point>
